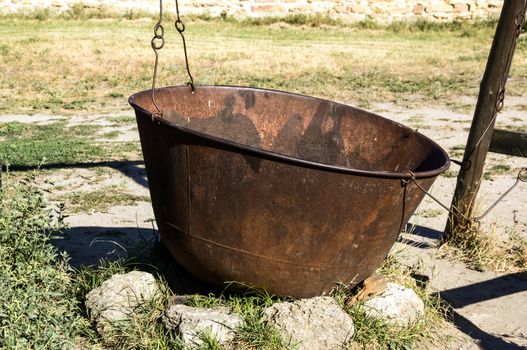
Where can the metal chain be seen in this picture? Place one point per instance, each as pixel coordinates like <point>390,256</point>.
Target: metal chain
<point>474,223</point>
<point>500,98</point>
<point>180,27</point>
<point>158,41</point>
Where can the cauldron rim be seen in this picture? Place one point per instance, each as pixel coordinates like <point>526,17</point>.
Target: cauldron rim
<point>242,148</point>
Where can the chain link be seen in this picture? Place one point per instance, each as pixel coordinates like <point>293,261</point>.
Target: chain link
<point>180,27</point>
<point>519,21</point>
<point>157,43</point>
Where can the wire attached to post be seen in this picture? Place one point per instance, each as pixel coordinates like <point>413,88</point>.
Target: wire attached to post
<point>474,223</point>
<point>519,22</point>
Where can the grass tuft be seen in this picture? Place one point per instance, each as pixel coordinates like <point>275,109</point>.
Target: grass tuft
<point>379,334</point>
<point>100,200</point>
<point>482,250</point>
<point>254,332</point>
<point>25,146</point>
<point>144,329</point>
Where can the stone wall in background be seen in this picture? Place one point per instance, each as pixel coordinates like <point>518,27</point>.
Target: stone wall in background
<point>349,10</point>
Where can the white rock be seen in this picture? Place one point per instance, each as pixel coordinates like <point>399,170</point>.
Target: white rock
<point>311,324</point>
<point>117,297</point>
<point>397,304</point>
<point>193,322</point>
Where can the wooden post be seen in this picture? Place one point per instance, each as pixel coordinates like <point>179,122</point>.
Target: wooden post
<point>490,101</point>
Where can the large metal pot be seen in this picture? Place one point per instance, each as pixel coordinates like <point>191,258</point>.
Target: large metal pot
<point>276,190</point>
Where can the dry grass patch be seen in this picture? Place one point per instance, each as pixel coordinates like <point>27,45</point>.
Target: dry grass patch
<point>485,249</point>
<point>100,200</point>
<point>94,64</point>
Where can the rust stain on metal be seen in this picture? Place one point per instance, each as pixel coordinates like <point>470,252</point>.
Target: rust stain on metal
<point>280,191</point>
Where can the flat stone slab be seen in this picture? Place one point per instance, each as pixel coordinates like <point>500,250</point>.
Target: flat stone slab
<point>397,304</point>
<point>311,324</point>
<point>192,323</point>
<point>118,296</point>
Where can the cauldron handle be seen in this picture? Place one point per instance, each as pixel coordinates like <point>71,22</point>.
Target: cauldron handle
<point>158,42</point>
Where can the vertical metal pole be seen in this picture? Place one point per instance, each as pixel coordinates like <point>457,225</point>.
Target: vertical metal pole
<point>490,101</point>
<point>1,167</point>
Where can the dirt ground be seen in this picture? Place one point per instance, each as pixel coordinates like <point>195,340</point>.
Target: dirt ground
<point>490,308</point>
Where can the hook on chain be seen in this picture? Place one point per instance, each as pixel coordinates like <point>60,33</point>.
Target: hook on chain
<point>522,175</point>
<point>519,20</point>
<point>180,27</point>
<point>157,43</point>
<point>500,101</point>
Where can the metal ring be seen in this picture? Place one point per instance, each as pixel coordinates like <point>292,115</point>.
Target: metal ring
<point>477,224</point>
<point>158,27</point>
<point>180,27</point>
<point>466,164</point>
<point>500,102</point>
<point>499,105</point>
<point>522,175</point>
<point>156,115</point>
<point>157,45</point>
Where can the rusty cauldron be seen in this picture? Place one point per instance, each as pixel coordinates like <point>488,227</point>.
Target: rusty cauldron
<point>285,192</point>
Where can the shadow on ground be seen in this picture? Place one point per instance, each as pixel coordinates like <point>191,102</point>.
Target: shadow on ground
<point>470,294</point>
<point>432,237</point>
<point>87,245</point>
<point>138,248</point>
<point>134,169</point>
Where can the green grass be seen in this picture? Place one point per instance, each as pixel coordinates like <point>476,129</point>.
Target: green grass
<point>42,299</point>
<point>498,169</point>
<point>254,332</point>
<point>37,310</point>
<point>29,145</point>
<point>39,152</point>
<point>123,121</point>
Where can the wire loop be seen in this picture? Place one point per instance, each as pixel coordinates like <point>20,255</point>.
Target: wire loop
<point>522,175</point>
<point>157,43</point>
<point>159,30</point>
<point>180,26</point>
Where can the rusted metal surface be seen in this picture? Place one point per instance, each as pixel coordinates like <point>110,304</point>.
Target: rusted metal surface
<point>276,190</point>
